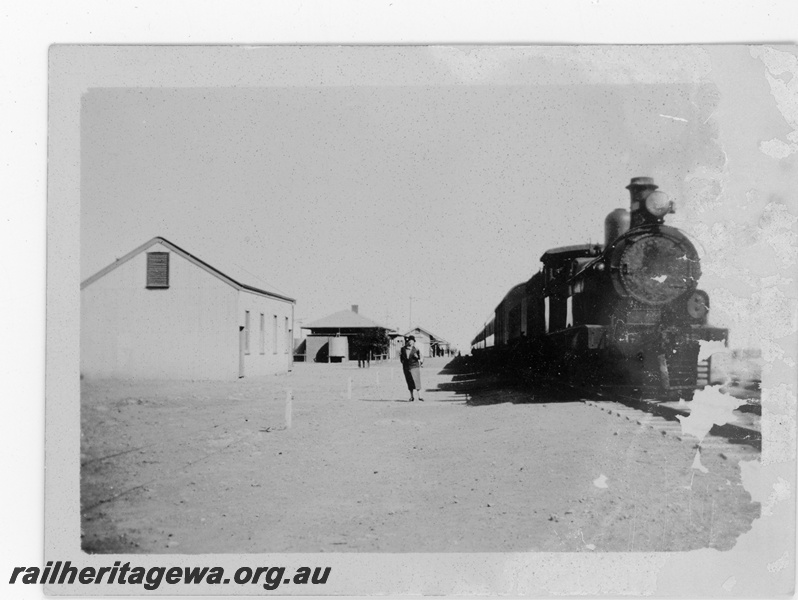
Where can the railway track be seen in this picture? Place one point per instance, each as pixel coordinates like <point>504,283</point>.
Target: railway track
<point>738,429</point>
<point>667,417</point>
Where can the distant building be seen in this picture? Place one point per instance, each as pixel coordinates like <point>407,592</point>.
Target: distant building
<point>429,343</point>
<point>332,339</point>
<point>161,313</point>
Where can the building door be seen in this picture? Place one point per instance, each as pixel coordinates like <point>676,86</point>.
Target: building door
<point>242,342</point>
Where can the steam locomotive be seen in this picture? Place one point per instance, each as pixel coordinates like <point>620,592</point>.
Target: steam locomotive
<point>626,314</point>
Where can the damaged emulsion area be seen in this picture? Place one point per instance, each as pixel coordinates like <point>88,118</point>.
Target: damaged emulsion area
<point>663,485</point>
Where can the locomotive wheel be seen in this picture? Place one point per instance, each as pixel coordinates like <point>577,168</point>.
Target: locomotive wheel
<point>576,375</point>
<point>571,370</point>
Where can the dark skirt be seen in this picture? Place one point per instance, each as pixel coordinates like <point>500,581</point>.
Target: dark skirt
<point>413,378</point>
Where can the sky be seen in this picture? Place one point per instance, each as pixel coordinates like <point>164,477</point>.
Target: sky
<point>431,179</point>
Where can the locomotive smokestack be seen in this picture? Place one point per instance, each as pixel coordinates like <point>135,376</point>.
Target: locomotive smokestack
<point>639,188</point>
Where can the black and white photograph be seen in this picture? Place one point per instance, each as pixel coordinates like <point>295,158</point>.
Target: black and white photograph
<point>398,319</point>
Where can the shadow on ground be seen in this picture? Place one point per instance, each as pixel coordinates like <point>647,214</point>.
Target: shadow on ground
<point>477,387</point>
<point>383,400</point>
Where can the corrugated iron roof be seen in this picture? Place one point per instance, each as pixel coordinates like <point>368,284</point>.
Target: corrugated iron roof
<point>345,319</point>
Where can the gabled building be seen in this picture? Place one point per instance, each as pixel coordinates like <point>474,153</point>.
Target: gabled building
<point>332,338</point>
<point>160,312</point>
<point>429,343</point>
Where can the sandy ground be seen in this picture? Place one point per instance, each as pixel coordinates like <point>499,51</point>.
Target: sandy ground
<point>198,467</point>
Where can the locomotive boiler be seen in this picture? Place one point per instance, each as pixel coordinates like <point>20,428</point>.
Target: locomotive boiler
<point>626,314</point>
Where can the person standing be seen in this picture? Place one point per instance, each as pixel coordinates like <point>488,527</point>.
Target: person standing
<point>411,365</point>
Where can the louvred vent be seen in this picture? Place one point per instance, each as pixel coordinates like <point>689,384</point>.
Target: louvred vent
<point>157,269</point>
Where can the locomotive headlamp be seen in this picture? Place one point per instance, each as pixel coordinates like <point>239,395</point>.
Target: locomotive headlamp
<point>658,204</point>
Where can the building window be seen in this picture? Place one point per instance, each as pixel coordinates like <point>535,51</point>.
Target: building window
<point>287,337</point>
<point>157,270</point>
<point>569,312</point>
<point>546,314</point>
<point>246,332</point>
<point>274,335</point>
<point>262,333</point>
